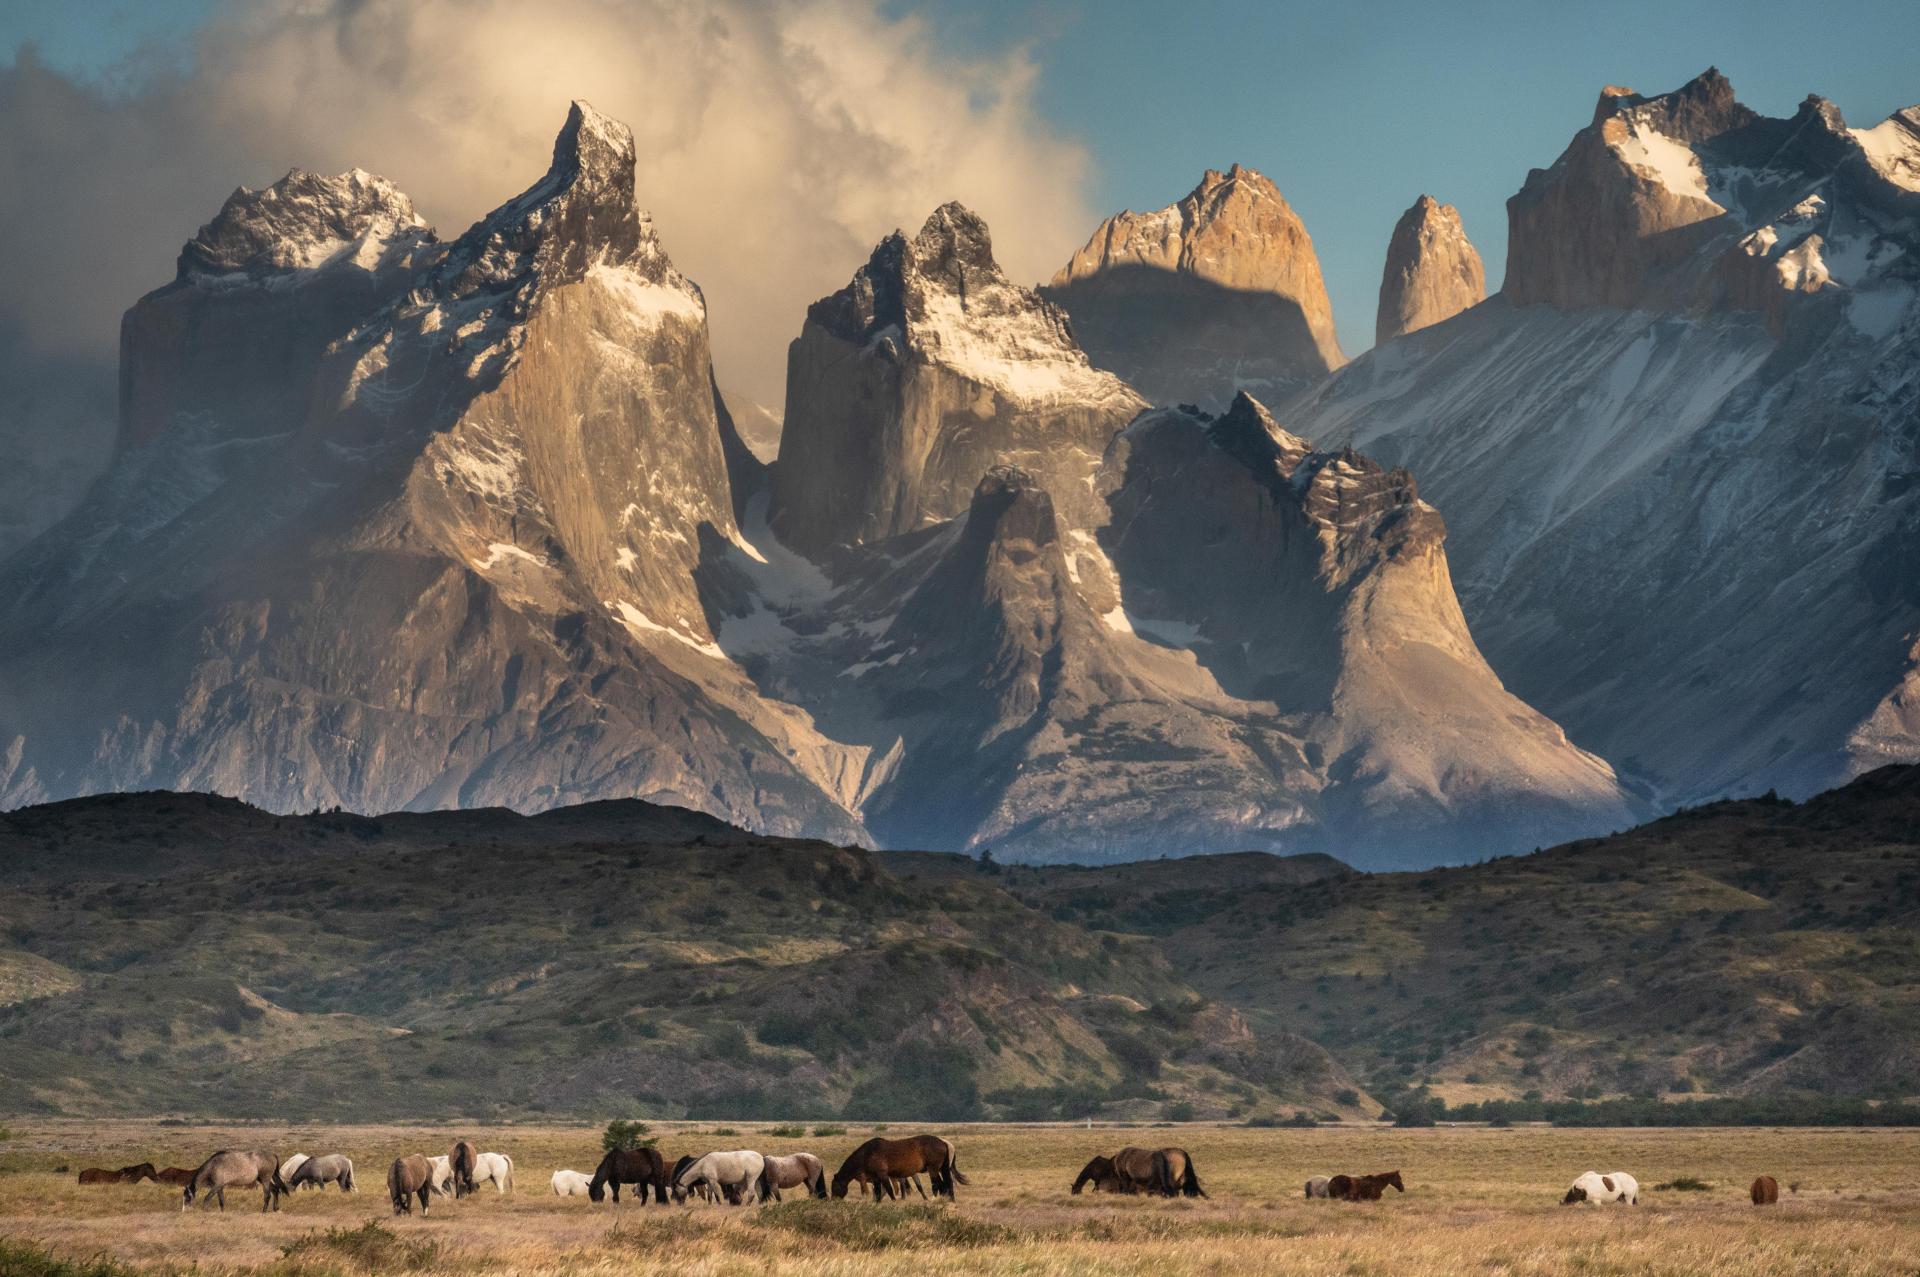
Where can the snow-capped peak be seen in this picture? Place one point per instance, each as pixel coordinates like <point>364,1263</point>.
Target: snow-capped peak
<point>305,221</point>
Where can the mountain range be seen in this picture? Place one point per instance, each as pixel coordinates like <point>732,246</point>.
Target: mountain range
<point>1132,564</point>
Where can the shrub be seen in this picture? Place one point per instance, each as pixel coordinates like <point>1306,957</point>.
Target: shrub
<point>370,1246</point>
<point>787,1132</point>
<point>20,1259</point>
<point>825,1130</point>
<point>621,1133</point>
<point>876,1226</point>
<point>1685,1184</point>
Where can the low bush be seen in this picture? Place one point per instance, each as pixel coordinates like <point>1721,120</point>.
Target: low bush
<point>371,1246</point>
<point>21,1259</point>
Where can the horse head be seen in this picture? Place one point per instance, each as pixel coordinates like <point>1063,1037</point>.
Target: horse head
<point>1574,1194</point>
<point>1393,1178</point>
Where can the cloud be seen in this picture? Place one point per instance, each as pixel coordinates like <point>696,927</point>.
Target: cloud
<point>777,142</point>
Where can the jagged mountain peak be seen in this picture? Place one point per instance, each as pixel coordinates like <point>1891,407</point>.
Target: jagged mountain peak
<point>1248,432</point>
<point>1703,107</point>
<point>953,239</point>
<point>1432,271</point>
<point>302,222</point>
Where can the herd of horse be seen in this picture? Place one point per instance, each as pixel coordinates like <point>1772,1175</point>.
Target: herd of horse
<point>885,1169</point>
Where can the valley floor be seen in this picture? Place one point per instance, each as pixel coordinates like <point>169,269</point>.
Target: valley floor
<point>1478,1200</point>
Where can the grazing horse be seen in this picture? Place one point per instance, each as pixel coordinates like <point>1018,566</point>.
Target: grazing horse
<point>410,1177</point>
<point>642,1167</point>
<point>1137,1170</point>
<point>1766,1191</point>
<point>125,1175</point>
<point>235,1168</point>
<point>318,1172</point>
<point>494,1168</point>
<point>441,1181</point>
<point>461,1157</point>
<point>1100,1173</point>
<point>1177,1176</point>
<point>569,1184</point>
<point>288,1167</point>
<point>1615,1186</point>
<point>739,1171</point>
<point>178,1176</point>
<point>1317,1186</point>
<point>795,1170</point>
<point>880,1163</point>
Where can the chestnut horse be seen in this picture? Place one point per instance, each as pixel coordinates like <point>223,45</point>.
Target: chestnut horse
<point>1766,1191</point>
<point>178,1176</point>
<point>125,1175</point>
<point>462,1157</point>
<point>410,1177</point>
<point>1363,1188</point>
<point>642,1167</point>
<point>879,1163</point>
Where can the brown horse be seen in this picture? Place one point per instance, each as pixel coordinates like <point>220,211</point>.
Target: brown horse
<point>1363,1188</point>
<point>461,1158</point>
<point>1766,1191</point>
<point>410,1177</point>
<point>125,1175</point>
<point>178,1176</point>
<point>1100,1173</point>
<point>644,1168</point>
<point>1177,1176</point>
<point>880,1163</point>
<point>236,1168</point>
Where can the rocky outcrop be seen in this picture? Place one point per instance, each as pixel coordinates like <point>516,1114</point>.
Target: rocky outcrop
<point>1218,292</point>
<point>400,523</point>
<point>904,387</point>
<point>1432,271</point>
<point>1717,406</point>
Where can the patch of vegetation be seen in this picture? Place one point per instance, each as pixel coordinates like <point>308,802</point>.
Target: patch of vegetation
<point>828,1129</point>
<point>22,1259</point>
<point>372,1247</point>
<point>881,1226</point>
<point>1685,1184</point>
<point>786,1132</point>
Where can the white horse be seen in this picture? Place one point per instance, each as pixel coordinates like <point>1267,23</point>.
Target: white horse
<point>570,1184</point>
<point>1317,1186</point>
<point>497,1167</point>
<point>739,1170</point>
<point>288,1167</point>
<point>1614,1186</point>
<point>442,1181</point>
<point>318,1172</point>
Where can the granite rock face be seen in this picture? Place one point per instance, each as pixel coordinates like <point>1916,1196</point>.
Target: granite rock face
<point>904,387</point>
<point>401,523</point>
<point>1214,294</point>
<point>1699,394</point>
<point>1432,271</point>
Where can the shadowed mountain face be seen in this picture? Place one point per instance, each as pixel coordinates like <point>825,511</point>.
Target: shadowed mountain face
<point>180,953</point>
<point>1218,293</point>
<point>1698,395</point>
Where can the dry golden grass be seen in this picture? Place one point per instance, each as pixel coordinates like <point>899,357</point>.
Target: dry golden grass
<point>1478,1201</point>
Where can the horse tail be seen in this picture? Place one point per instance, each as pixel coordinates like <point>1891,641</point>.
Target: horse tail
<point>1190,1183</point>
<point>953,1163</point>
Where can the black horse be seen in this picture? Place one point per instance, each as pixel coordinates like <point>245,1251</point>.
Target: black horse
<point>642,1167</point>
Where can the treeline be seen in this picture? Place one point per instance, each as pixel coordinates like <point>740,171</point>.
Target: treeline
<point>1805,1110</point>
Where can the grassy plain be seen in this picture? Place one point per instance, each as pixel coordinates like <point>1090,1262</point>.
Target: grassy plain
<point>1479,1201</point>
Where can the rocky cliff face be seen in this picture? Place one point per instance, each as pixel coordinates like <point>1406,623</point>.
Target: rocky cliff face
<point>1704,440</point>
<point>928,368</point>
<point>1216,293</point>
<point>403,523</point>
<point>1432,271</point>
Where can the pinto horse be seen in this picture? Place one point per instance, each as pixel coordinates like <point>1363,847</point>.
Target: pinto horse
<point>125,1175</point>
<point>879,1163</point>
<point>642,1167</point>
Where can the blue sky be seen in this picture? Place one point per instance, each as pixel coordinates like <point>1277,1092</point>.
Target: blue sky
<point>1353,109</point>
